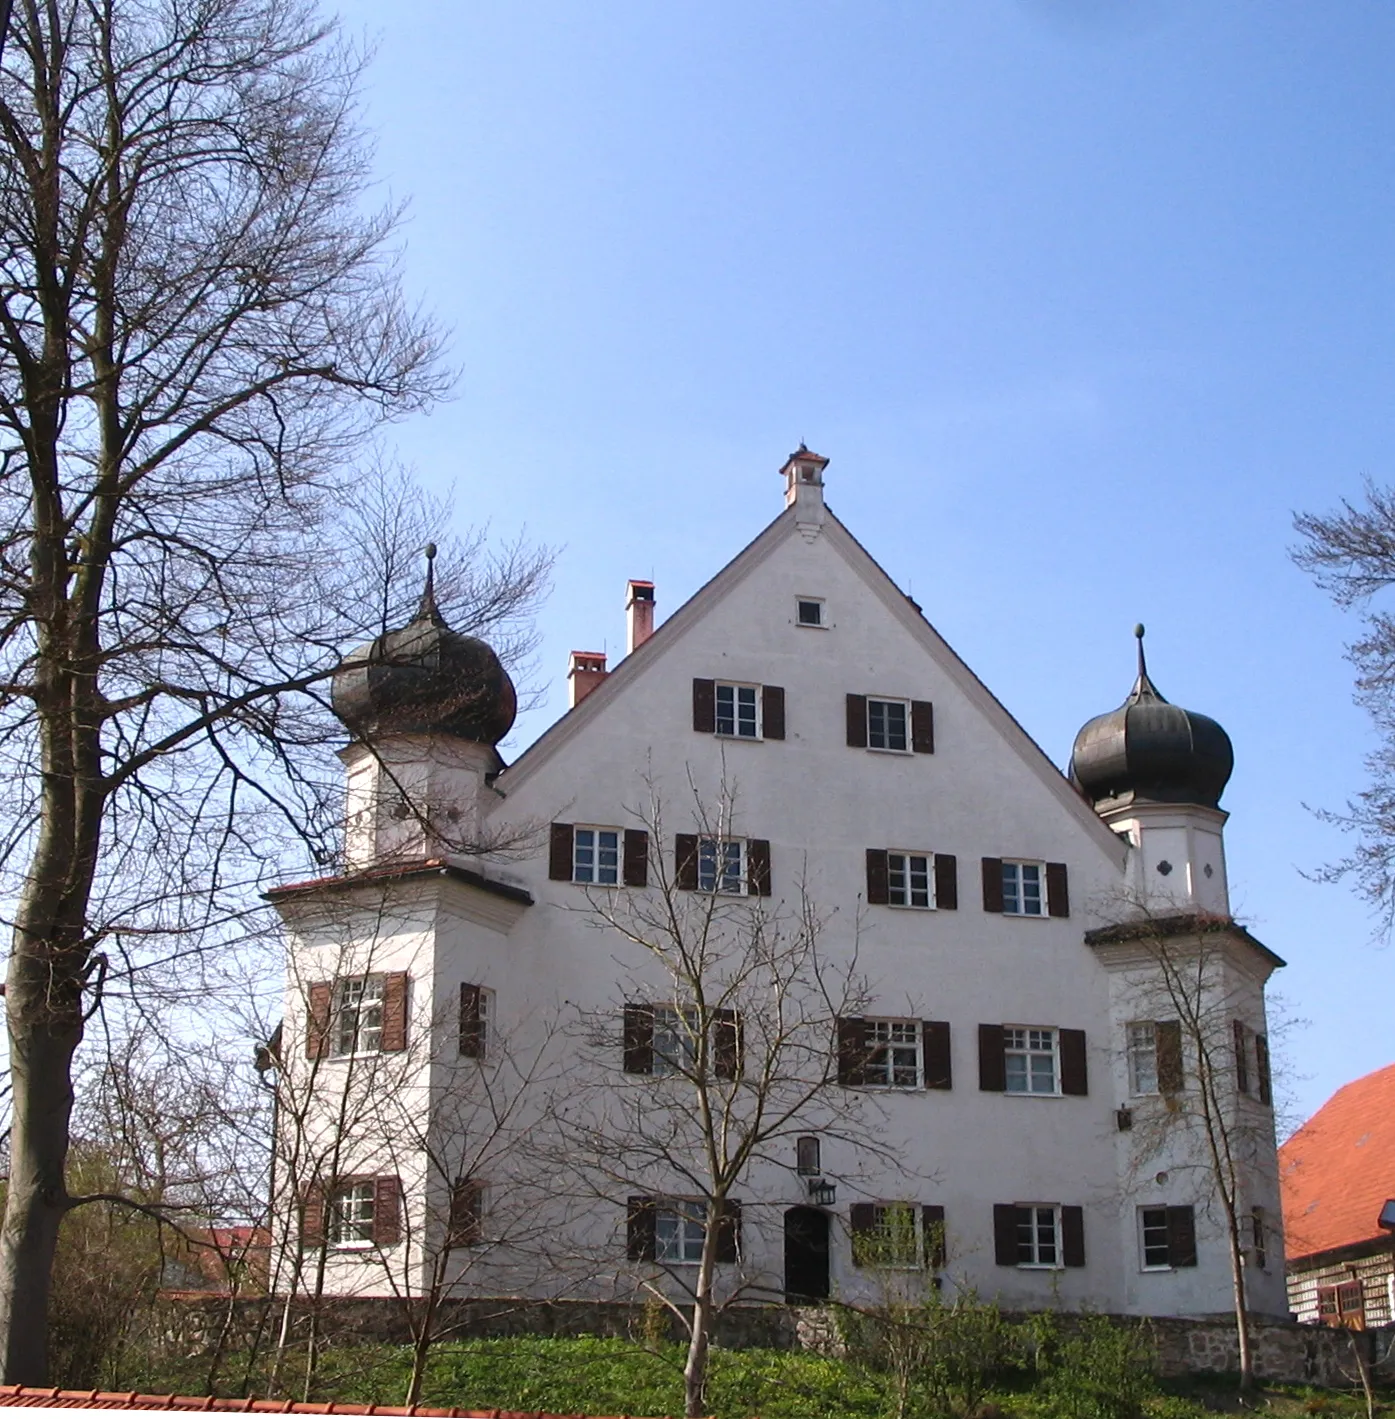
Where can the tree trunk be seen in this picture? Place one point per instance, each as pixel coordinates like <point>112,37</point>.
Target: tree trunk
<point>1242,1308</point>
<point>695,1369</point>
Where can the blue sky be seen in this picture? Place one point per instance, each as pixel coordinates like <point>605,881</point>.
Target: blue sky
<point>1083,300</point>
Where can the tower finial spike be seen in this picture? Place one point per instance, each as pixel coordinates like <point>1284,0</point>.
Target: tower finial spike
<point>428,610</point>
<point>1142,664</point>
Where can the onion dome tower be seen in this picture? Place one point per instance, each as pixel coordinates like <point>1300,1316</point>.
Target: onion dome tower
<point>1155,773</point>
<point>426,706</point>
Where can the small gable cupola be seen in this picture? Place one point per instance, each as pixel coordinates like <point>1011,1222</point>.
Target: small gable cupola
<point>425,679</point>
<point>803,474</point>
<point>1150,751</point>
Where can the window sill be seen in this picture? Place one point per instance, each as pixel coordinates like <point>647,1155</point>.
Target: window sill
<point>1040,1266</point>
<point>1031,1094</point>
<point>1026,916</point>
<point>1157,1270</point>
<point>910,907</point>
<point>738,739</point>
<point>897,753</point>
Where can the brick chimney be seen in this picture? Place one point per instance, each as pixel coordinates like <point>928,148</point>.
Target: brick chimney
<point>585,671</point>
<point>639,614</point>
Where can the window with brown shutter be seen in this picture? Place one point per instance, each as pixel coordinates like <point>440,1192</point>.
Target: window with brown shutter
<point>993,884</point>
<point>1074,1070</point>
<point>685,861</point>
<point>862,1224</point>
<point>1006,1216</point>
<point>705,706</point>
<point>1169,1046</point>
<point>1073,1236</point>
<point>1262,1079</point>
<point>876,877</point>
<point>394,1012</point>
<point>472,1022</point>
<point>729,1231</point>
<point>1057,890</point>
<point>466,1227</point>
<point>852,1051</point>
<point>992,1060</point>
<point>639,1228</point>
<point>772,712</point>
<point>932,1235</point>
<point>935,1045</point>
<point>922,727</point>
<point>1242,1061</point>
<point>946,881</point>
<point>320,995</point>
<point>639,1039</point>
<point>559,853</point>
<point>387,1211</point>
<point>758,867</point>
<point>635,870</point>
<point>857,721</point>
<point>1181,1236</point>
<point>312,1216</point>
<point>726,1044</point>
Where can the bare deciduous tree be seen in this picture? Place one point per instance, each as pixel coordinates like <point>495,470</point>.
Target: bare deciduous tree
<point>200,329</point>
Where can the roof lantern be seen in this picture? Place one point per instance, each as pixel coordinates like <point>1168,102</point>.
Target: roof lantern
<point>425,679</point>
<point>1150,751</point>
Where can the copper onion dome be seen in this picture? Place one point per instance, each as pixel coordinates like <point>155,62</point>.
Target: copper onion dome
<point>1150,751</point>
<point>425,679</point>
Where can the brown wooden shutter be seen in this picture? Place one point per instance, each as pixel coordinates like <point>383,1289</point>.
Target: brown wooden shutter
<point>1073,1236</point>
<point>946,881</point>
<point>321,998</point>
<point>1168,1035</point>
<point>1005,1218</point>
<point>934,1039</point>
<point>466,1213</point>
<point>878,888</point>
<point>705,706</point>
<point>1057,889</point>
<point>639,1039</point>
<point>1266,1084</point>
<point>862,1223</point>
<point>857,721</point>
<point>726,1044</point>
<point>992,1062</point>
<point>387,1211</point>
<point>932,1235</point>
<point>922,727</point>
<point>685,861</point>
<point>993,884</point>
<point>394,1037</point>
<point>312,1216</point>
<point>852,1051</point>
<point>639,1228</point>
<point>635,868</point>
<point>1074,1071</point>
<point>560,855</point>
<point>1181,1236</point>
<point>728,1230</point>
<point>471,1033</point>
<point>772,712</point>
<point>1242,1061</point>
<point>758,867</point>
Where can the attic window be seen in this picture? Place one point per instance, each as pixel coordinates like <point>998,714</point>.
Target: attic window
<point>810,611</point>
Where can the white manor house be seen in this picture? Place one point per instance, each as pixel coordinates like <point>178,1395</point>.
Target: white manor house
<point>787,932</point>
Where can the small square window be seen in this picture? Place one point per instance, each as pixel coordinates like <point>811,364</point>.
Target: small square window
<point>893,1054</point>
<point>358,1015</point>
<point>674,1040</point>
<point>738,711</point>
<point>351,1214</point>
<point>596,856</point>
<point>1023,893</point>
<point>806,1156</point>
<point>680,1228</point>
<point>809,611</point>
<point>1031,1060</point>
<point>886,725</point>
<point>908,879</point>
<point>1153,1239</point>
<point>721,865</point>
<point>1039,1236</point>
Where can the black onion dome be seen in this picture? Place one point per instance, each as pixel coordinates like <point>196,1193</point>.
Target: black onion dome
<point>1151,751</point>
<point>425,679</point>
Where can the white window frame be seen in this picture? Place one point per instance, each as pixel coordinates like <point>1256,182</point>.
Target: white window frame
<point>672,1040</point>
<point>800,602</point>
<point>905,707</point>
<point>714,853</point>
<point>360,1000</point>
<point>680,1230</point>
<point>1015,898</point>
<point>735,689</point>
<point>595,850</point>
<point>1030,1044</point>
<point>1036,1232</point>
<point>888,1043</point>
<point>1144,1228</point>
<point>900,863</point>
<point>884,1235</point>
<point>1143,1058</point>
<point>486,1023</point>
<point>351,1215</point>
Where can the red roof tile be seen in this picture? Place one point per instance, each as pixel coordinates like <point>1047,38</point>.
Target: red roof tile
<point>21,1397</point>
<point>1339,1168</point>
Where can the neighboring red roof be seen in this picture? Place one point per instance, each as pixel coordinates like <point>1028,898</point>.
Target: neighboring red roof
<point>18,1396</point>
<point>1337,1171</point>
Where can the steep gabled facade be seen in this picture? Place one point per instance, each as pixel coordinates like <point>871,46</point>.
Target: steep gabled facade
<point>1005,1088</point>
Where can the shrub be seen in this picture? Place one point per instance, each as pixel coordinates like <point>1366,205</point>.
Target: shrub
<point>1093,1368</point>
